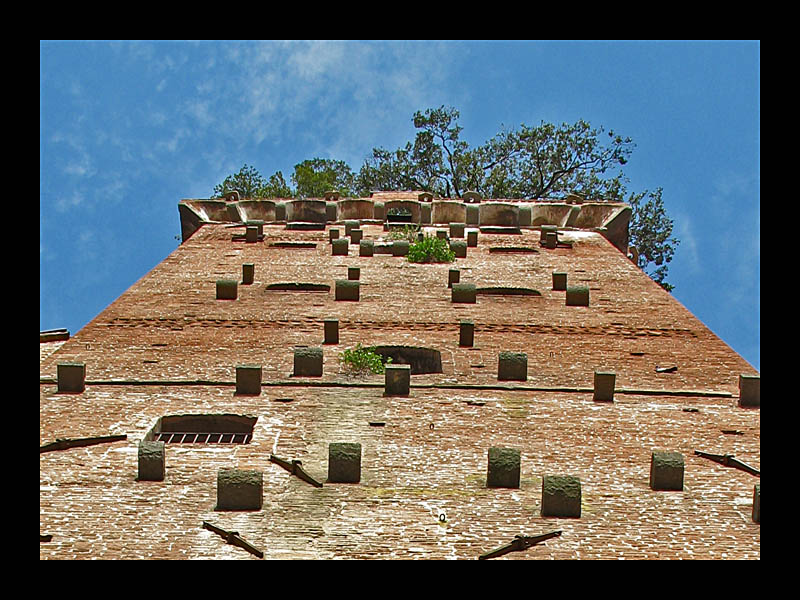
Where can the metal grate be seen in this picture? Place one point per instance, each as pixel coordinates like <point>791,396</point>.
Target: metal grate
<point>178,437</point>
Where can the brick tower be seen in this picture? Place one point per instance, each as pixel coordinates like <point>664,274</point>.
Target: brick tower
<point>552,387</point>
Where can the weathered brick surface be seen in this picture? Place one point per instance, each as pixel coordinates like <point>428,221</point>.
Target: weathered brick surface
<point>89,497</point>
<point>168,346</point>
<point>47,348</point>
<point>402,301</point>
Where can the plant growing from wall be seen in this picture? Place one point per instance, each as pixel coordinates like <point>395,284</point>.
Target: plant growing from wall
<point>431,249</point>
<point>407,232</point>
<point>360,361</point>
<point>399,212</point>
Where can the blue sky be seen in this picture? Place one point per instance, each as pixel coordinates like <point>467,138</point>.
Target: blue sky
<point>128,129</point>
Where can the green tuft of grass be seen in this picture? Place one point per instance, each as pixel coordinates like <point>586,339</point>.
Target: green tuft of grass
<point>431,249</point>
<point>361,361</point>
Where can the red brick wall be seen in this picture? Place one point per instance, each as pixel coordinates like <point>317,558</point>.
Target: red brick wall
<point>168,328</point>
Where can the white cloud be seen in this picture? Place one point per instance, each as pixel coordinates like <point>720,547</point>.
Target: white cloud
<point>81,168</point>
<point>65,203</point>
<point>140,51</point>
<point>201,111</point>
<point>172,144</point>
<point>79,162</point>
<point>327,99</point>
<point>205,87</point>
<point>688,246</point>
<point>113,189</point>
<point>156,117</point>
<point>87,248</point>
<point>732,192</point>
<point>735,206</point>
<point>350,91</point>
<point>318,61</point>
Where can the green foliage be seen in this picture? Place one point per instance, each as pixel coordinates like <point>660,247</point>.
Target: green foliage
<point>541,161</point>
<point>360,361</point>
<point>650,232</point>
<point>431,249</point>
<point>399,211</point>
<point>250,184</point>
<point>314,177</point>
<point>276,187</point>
<point>407,232</point>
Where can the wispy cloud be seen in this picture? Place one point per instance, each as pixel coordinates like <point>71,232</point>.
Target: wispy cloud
<point>687,250</point>
<point>78,161</point>
<point>316,62</point>
<point>201,111</point>
<point>736,209</point>
<point>74,199</point>
<point>81,168</point>
<point>352,92</point>
<point>237,102</point>
<point>174,142</point>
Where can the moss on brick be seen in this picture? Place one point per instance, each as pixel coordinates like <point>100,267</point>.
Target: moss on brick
<point>397,380</point>
<point>578,295</point>
<point>400,248</point>
<point>331,329</point>
<point>459,248</point>
<point>151,463</point>
<point>366,248</point>
<point>248,380</point>
<point>347,289</point>
<point>463,293</point>
<point>466,333</point>
<point>504,468</point>
<point>344,462</point>
<point>604,383</point>
<point>227,289</point>
<point>666,470</point>
<point>239,489</point>
<point>512,366</point>
<point>750,390</point>
<point>71,376</point>
<point>561,496</point>
<point>340,247</point>
<point>757,503</point>
<point>307,362</point>
<point>248,273</point>
<point>457,230</point>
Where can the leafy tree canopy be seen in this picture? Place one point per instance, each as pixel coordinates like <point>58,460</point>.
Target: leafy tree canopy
<point>650,232</point>
<point>248,182</point>
<point>538,161</point>
<point>312,178</point>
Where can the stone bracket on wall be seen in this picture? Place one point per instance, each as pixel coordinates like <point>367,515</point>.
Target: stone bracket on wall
<point>729,460</point>
<point>519,544</point>
<point>233,538</point>
<point>66,444</point>
<point>610,219</point>
<point>295,468</point>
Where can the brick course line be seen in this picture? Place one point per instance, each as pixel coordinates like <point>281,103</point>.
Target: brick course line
<point>442,386</point>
